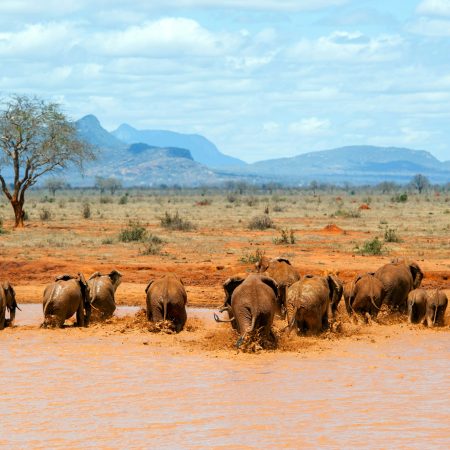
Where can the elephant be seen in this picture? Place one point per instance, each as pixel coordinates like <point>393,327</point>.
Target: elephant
<point>365,295</point>
<point>63,298</point>
<point>427,306</point>
<point>102,289</point>
<point>7,302</point>
<point>251,303</point>
<point>417,305</point>
<point>280,270</point>
<point>399,278</point>
<point>309,303</point>
<point>166,300</point>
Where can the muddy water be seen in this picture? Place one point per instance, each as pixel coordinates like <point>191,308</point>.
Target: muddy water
<point>84,389</point>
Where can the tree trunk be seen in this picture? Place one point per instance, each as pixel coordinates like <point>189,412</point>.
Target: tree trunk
<point>19,213</point>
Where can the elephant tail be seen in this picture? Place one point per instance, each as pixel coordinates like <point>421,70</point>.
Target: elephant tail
<point>435,314</point>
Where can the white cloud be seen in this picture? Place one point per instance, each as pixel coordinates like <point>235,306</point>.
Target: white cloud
<point>349,47</point>
<point>311,126</point>
<point>271,127</point>
<point>38,40</point>
<point>162,38</point>
<point>434,8</point>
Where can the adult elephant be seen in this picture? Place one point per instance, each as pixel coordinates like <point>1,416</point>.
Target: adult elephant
<point>280,270</point>
<point>166,300</point>
<point>251,303</point>
<point>102,289</point>
<point>7,302</point>
<point>399,278</point>
<point>309,303</point>
<point>366,295</point>
<point>68,295</point>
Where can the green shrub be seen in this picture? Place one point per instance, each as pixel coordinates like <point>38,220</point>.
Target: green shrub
<point>86,211</point>
<point>347,213</point>
<point>261,222</point>
<point>252,258</point>
<point>175,222</point>
<point>45,214</point>
<point>390,235</point>
<point>134,232</point>
<point>107,241</point>
<point>153,245</point>
<point>105,199</point>
<point>372,247</point>
<point>400,198</point>
<point>286,237</point>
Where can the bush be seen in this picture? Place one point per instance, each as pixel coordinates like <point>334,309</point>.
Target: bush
<point>286,237</point>
<point>124,199</point>
<point>372,247</point>
<point>153,245</point>
<point>252,258</point>
<point>400,198</point>
<point>2,230</point>
<point>390,235</point>
<point>347,213</point>
<point>134,232</point>
<point>86,211</point>
<point>261,223</point>
<point>105,200</point>
<point>45,214</point>
<point>231,197</point>
<point>107,241</point>
<point>175,222</point>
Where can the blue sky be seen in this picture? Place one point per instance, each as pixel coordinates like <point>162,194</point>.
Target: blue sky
<point>260,78</point>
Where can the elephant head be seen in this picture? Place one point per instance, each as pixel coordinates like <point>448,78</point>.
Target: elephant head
<point>416,273</point>
<point>116,278</point>
<point>10,301</point>
<point>263,264</point>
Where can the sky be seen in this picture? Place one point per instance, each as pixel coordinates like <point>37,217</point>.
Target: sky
<point>259,78</point>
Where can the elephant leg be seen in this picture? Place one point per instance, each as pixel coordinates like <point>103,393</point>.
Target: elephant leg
<point>325,321</point>
<point>2,319</point>
<point>12,316</point>
<point>80,315</point>
<point>157,312</point>
<point>180,320</point>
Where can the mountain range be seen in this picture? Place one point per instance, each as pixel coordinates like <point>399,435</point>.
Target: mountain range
<point>155,157</point>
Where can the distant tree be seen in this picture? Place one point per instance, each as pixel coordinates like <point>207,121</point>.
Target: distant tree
<point>386,187</point>
<point>420,182</point>
<point>314,185</point>
<point>110,184</point>
<point>35,138</point>
<point>55,184</point>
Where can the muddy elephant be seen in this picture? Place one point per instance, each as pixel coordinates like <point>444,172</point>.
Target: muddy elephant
<point>251,303</point>
<point>166,300</point>
<point>399,278</point>
<point>280,270</point>
<point>65,297</point>
<point>365,296</point>
<point>309,303</point>
<point>7,302</point>
<point>427,306</point>
<point>101,290</point>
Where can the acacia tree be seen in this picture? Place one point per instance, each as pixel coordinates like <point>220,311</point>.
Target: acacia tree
<point>35,138</point>
<point>420,182</point>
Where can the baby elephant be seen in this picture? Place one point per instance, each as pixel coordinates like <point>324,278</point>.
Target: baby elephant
<point>427,306</point>
<point>65,297</point>
<point>166,300</point>
<point>365,295</point>
<point>102,289</point>
<point>7,302</point>
<point>309,303</point>
<point>251,304</point>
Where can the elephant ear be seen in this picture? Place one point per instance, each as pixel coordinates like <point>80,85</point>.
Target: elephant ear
<point>64,277</point>
<point>84,288</point>
<point>115,277</point>
<point>95,275</point>
<point>271,283</point>
<point>230,285</point>
<point>416,273</point>
<point>333,286</point>
<point>148,285</point>
<point>262,265</point>
<point>280,259</point>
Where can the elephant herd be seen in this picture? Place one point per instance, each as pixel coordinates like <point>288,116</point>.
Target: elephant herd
<point>308,303</point>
